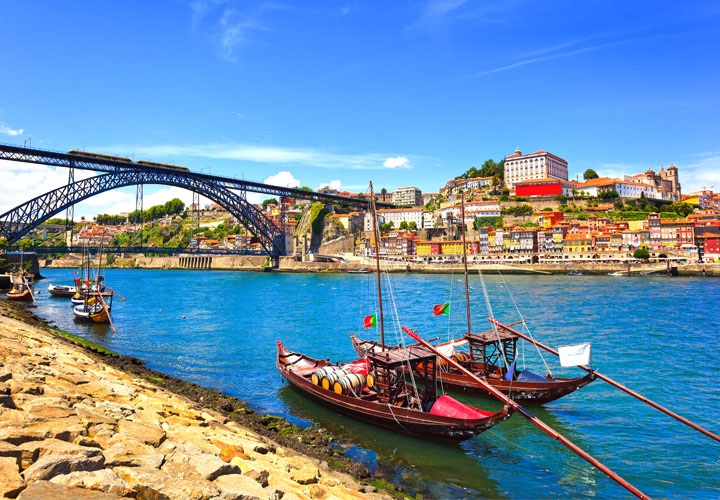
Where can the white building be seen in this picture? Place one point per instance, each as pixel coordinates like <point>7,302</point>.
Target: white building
<point>537,165</point>
<point>624,189</point>
<point>407,196</point>
<point>396,216</point>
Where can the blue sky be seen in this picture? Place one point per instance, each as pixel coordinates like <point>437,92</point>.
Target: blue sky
<point>333,92</point>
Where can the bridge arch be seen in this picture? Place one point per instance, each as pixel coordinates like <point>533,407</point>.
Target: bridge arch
<point>17,222</point>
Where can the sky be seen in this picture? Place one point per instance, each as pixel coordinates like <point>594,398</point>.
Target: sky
<point>341,93</point>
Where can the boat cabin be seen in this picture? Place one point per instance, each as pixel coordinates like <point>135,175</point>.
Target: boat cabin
<point>492,349</point>
<point>388,369</point>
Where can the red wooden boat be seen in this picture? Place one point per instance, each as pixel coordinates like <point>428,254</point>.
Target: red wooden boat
<point>486,355</point>
<point>376,391</point>
<point>20,292</point>
<point>21,287</point>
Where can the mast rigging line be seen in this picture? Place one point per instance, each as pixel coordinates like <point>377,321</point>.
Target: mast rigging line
<point>617,385</point>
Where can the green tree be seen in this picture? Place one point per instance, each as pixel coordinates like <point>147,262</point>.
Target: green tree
<point>267,202</point>
<point>641,254</point>
<point>681,208</point>
<point>610,194</point>
<point>590,174</point>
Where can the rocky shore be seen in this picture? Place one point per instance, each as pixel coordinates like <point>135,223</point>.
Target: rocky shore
<point>77,424</point>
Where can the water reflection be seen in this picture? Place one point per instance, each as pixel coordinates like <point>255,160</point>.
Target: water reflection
<point>420,466</point>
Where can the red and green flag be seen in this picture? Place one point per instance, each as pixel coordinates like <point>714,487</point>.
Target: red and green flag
<point>442,309</point>
<point>370,321</point>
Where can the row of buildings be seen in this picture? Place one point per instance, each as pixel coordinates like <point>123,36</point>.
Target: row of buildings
<point>557,240</point>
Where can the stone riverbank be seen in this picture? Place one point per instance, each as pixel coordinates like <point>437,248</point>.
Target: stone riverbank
<point>79,424</point>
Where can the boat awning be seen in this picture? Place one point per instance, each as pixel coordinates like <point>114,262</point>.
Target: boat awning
<point>398,357</point>
<point>490,336</point>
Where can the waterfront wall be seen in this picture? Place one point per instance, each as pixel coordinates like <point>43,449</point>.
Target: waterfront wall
<point>291,264</point>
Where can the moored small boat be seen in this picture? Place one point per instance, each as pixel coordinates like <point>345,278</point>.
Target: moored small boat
<point>377,393</point>
<point>62,290</point>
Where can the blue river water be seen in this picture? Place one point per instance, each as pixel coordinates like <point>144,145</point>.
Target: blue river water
<point>659,336</point>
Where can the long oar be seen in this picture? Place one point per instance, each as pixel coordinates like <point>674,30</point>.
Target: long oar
<point>532,418</point>
<point>107,311</point>
<point>613,383</point>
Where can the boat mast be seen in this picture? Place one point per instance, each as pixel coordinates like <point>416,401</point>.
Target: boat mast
<point>465,267</point>
<point>376,235</point>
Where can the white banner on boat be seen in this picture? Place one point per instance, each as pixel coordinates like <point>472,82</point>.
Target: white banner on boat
<point>574,355</point>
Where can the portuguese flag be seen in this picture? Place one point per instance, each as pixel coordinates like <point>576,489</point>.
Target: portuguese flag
<point>370,321</point>
<point>442,309</point>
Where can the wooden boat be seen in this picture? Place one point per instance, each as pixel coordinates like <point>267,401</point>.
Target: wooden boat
<point>384,388</point>
<point>490,356</point>
<point>62,290</point>
<point>383,396</point>
<point>94,310</point>
<point>21,288</point>
<point>90,299</point>
<point>20,292</point>
<point>484,354</point>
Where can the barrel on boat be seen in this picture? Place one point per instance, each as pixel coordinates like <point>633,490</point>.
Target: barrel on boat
<point>317,375</point>
<point>461,357</point>
<point>351,383</point>
<point>330,378</point>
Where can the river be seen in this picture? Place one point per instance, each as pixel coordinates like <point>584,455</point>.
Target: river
<point>659,336</point>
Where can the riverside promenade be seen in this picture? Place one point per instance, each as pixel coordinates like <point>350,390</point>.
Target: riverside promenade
<point>72,425</point>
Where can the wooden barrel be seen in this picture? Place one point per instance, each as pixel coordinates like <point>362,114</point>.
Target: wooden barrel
<point>317,375</point>
<point>461,357</point>
<point>329,378</point>
<point>370,380</point>
<point>352,383</point>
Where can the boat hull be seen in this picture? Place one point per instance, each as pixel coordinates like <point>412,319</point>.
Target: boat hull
<point>93,314</point>
<point>535,393</point>
<point>405,420</point>
<point>62,291</point>
<point>20,295</point>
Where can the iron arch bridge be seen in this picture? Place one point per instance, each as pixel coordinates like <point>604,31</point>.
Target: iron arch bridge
<point>117,172</point>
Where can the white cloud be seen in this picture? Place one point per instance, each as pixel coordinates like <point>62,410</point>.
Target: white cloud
<point>309,157</point>
<point>22,182</point>
<point>337,185</point>
<point>5,129</point>
<point>704,171</point>
<point>282,179</point>
<point>397,162</point>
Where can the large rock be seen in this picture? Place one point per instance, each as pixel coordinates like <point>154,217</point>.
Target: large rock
<point>52,458</point>
<point>133,454</point>
<point>141,433</point>
<point>45,490</point>
<point>106,480</point>
<point>153,483</point>
<point>209,466</point>
<point>239,487</point>
<point>8,450</point>
<point>11,482</point>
